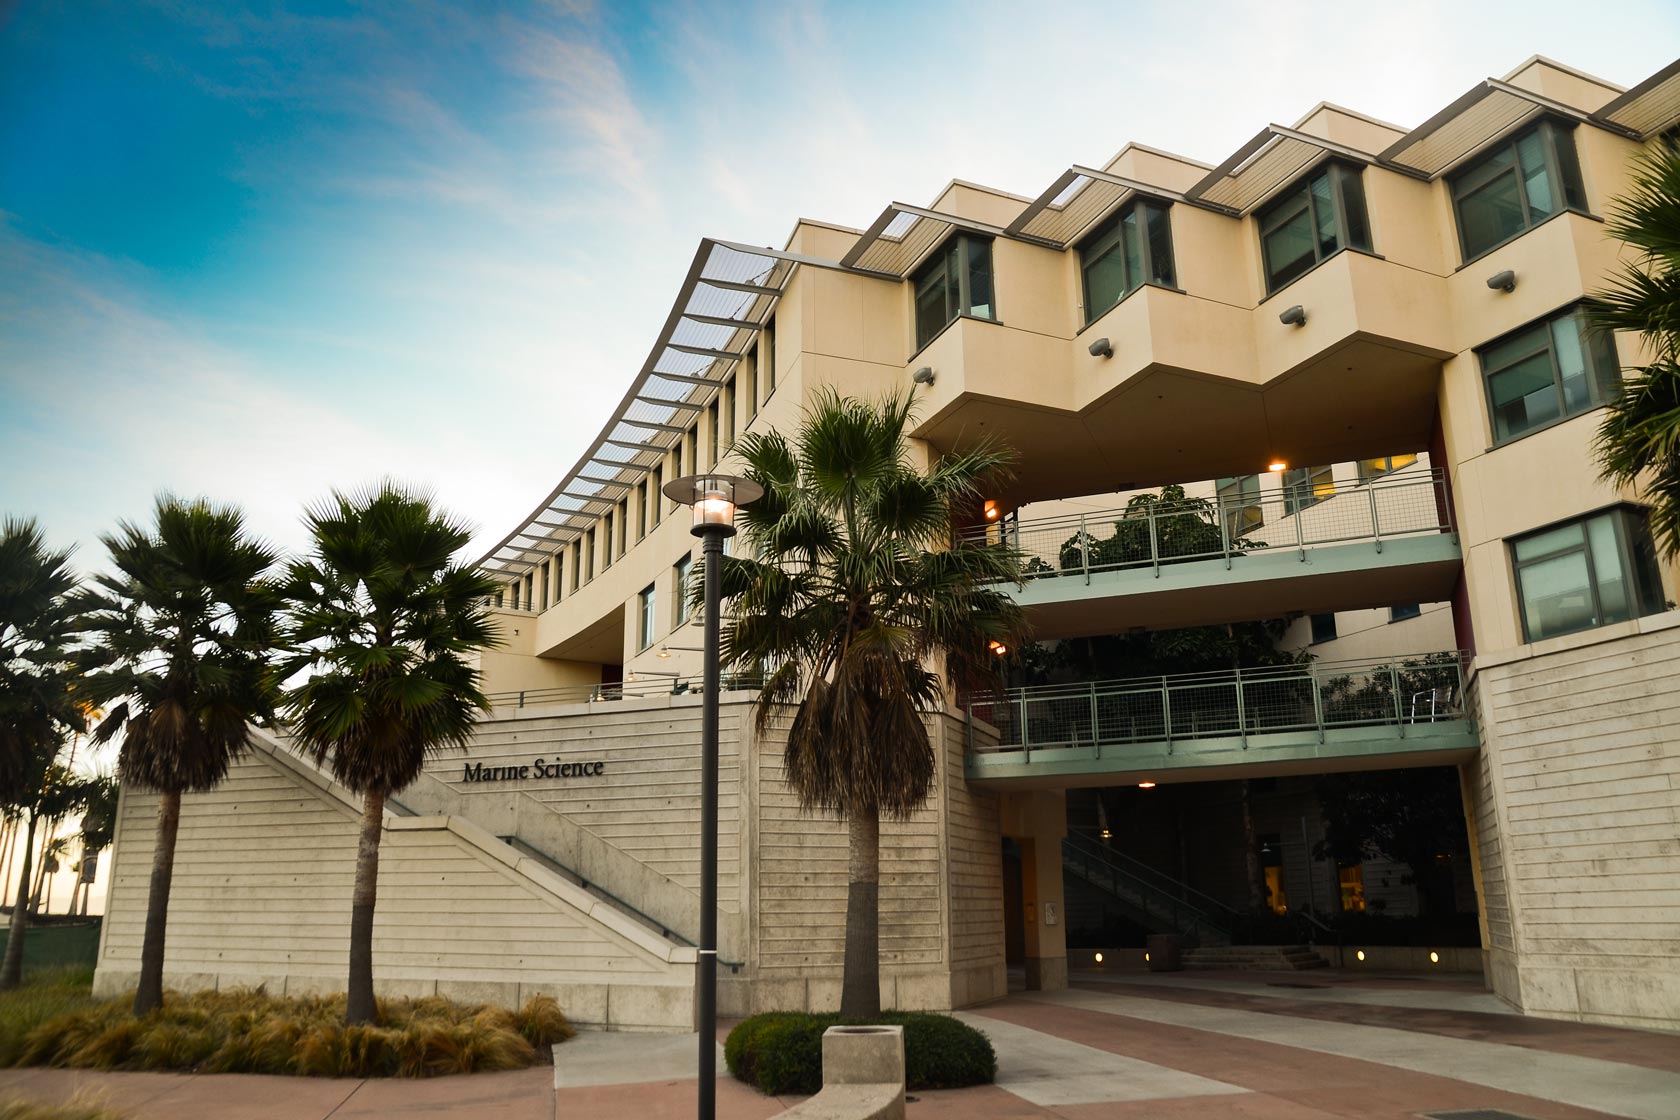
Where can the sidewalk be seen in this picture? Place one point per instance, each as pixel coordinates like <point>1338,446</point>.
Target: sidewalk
<point>1254,1046</point>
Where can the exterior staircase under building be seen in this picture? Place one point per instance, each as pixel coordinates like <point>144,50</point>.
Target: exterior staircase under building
<point>1256,958</point>
<point>1155,900</point>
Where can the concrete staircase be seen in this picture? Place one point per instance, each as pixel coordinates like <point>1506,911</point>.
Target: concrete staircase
<point>1258,958</point>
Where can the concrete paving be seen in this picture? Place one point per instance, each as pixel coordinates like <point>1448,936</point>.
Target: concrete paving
<point>598,1058</point>
<point>1115,1047</point>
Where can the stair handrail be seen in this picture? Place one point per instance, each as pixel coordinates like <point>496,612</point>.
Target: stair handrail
<point>1175,889</point>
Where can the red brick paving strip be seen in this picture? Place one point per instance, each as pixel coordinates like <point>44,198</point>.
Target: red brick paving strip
<point>1304,1079</point>
<point>1586,1040</point>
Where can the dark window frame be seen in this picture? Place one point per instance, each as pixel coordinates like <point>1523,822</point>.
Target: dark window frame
<point>1321,631</point>
<point>1475,175</point>
<point>1237,517</point>
<point>1109,236</point>
<point>680,571</point>
<point>1365,476</point>
<point>1643,588</point>
<point>1300,491</point>
<point>936,269</point>
<point>647,618</point>
<point>1601,383</point>
<point>1288,203</point>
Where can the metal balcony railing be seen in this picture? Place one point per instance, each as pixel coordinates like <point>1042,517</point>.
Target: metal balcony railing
<point>1232,704</point>
<point>1148,534</point>
<point>643,687</point>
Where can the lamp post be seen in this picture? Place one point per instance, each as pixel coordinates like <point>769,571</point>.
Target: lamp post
<point>714,498</point>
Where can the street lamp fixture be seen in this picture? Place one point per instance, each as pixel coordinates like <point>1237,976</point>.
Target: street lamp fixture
<point>714,499</point>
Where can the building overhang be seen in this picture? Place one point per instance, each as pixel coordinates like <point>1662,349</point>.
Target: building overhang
<point>897,241</point>
<point>1081,198</point>
<point>1649,108</point>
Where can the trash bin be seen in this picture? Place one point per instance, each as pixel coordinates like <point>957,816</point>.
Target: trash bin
<point>1166,952</point>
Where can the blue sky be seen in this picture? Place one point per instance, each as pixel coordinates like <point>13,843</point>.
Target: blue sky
<point>258,251</point>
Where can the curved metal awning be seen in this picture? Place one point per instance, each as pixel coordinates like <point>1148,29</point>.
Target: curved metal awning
<point>1490,110</point>
<point>725,300</point>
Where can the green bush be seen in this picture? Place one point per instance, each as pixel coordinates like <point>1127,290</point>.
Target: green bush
<point>250,1031</point>
<point>781,1051</point>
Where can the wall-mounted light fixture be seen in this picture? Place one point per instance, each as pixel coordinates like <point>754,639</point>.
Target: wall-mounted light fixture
<point>1503,281</point>
<point>1294,316</point>
<point>923,376</point>
<point>997,647</point>
<point>1101,348</point>
<point>991,509</point>
<point>1277,465</point>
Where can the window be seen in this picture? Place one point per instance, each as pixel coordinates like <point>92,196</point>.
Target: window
<point>729,413</point>
<point>513,595</point>
<point>956,280</point>
<point>767,356</point>
<point>1586,573</point>
<point>577,563</point>
<point>712,430</point>
<point>749,385</point>
<point>589,553</point>
<point>623,525</point>
<point>1306,486</point>
<point>1131,249</point>
<point>529,581</point>
<point>656,498</point>
<point>1402,613</point>
<point>1323,628</point>
<point>542,586</point>
<point>1239,504</point>
<point>1384,464</point>
<point>1351,880</point>
<point>1320,215</point>
<point>645,616</point>
<point>606,540</point>
<point>681,571</point>
<point>1546,372</point>
<point>559,575</point>
<point>1515,186</point>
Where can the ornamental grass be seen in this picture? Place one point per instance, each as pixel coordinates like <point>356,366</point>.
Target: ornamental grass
<point>249,1031</point>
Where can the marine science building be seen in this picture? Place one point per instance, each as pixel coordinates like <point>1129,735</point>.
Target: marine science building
<point>1361,346</point>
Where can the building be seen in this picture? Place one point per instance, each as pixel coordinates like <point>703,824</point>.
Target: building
<point>1400,304</point>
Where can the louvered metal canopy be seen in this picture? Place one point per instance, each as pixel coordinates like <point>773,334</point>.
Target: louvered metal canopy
<point>1272,159</point>
<point>725,300</point>
<point>1648,108</point>
<point>903,235</point>
<point>1490,110</point>
<point>1080,198</point>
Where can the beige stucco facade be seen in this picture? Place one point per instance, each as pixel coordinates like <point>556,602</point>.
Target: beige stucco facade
<point>1574,794</point>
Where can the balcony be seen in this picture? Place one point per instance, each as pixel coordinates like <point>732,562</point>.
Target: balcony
<point>1289,719</point>
<point>1156,566</point>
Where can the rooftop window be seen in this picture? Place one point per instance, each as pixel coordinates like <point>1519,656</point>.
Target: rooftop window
<point>1516,185</point>
<point>1319,216</point>
<point>956,280</point>
<point>1130,249</point>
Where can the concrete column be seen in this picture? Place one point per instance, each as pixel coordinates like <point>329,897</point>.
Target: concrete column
<point>1037,819</point>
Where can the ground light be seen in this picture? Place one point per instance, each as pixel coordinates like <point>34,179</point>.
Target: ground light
<point>714,498</point>
<point>1360,954</point>
<point>1434,957</point>
<point>1098,958</point>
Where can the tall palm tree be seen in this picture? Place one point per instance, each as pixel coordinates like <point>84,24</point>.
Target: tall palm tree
<point>859,589</point>
<point>38,709</point>
<point>385,624</point>
<point>1638,442</point>
<point>182,640</point>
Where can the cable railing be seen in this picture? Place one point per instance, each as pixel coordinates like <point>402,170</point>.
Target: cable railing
<point>1314,697</point>
<point>642,686</point>
<point>1151,534</point>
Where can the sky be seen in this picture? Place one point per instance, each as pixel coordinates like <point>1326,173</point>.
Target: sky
<point>256,252</point>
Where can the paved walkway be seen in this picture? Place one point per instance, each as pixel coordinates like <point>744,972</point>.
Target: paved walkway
<point>1248,1046</point>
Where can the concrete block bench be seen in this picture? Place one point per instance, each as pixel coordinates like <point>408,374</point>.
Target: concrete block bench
<point>863,1076</point>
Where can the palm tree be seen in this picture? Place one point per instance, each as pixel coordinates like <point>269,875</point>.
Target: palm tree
<point>182,637</point>
<point>38,621</point>
<point>385,624</point>
<point>859,587</point>
<point>1639,439</point>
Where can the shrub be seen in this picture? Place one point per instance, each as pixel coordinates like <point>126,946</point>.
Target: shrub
<point>781,1051</point>
<point>76,1108</point>
<point>250,1031</point>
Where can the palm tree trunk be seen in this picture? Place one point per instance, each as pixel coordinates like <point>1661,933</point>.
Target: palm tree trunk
<point>362,1008</point>
<point>860,987</point>
<point>148,996</point>
<point>11,970</point>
